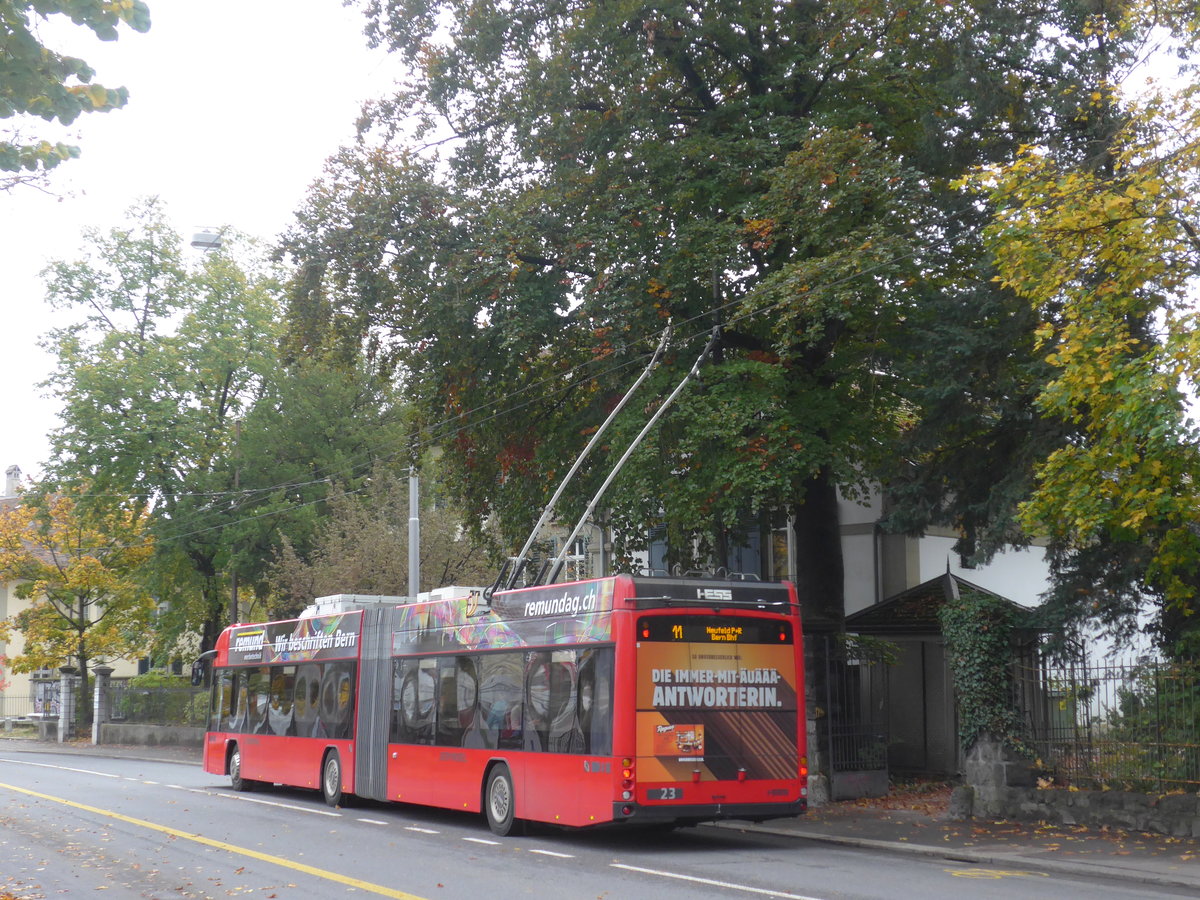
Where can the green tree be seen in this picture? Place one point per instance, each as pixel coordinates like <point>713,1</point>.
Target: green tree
<point>175,392</point>
<point>166,358</point>
<point>592,170</point>
<point>315,425</point>
<point>37,82</point>
<point>362,547</point>
<point>1105,249</point>
<point>79,563</point>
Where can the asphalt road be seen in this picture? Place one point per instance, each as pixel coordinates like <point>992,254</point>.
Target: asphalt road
<point>121,828</point>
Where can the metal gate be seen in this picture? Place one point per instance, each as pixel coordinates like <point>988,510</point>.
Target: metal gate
<point>856,702</point>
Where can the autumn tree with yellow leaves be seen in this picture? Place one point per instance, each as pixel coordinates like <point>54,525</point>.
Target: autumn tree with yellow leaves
<point>76,559</point>
<point>1106,249</point>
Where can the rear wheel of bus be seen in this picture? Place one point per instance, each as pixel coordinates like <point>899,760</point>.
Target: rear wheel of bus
<point>331,779</point>
<point>499,802</point>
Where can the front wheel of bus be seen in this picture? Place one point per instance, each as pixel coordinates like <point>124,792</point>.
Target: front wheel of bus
<point>499,802</point>
<point>236,781</point>
<point>331,779</point>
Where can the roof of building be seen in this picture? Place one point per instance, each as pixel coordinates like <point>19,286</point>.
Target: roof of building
<point>915,611</point>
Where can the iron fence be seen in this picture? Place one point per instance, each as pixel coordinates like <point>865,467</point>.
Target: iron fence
<point>158,705</point>
<point>1131,725</point>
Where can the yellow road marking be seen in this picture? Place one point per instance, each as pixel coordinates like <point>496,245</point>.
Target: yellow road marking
<point>994,873</point>
<point>221,845</point>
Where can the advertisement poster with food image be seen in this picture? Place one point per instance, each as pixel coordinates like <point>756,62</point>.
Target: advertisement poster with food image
<point>717,706</point>
<point>679,740</point>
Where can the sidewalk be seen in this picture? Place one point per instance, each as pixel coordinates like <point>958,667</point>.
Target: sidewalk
<point>914,823</point>
<point>164,753</point>
<point>917,824</point>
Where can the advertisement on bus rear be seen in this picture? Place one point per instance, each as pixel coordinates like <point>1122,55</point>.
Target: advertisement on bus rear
<point>718,696</point>
<point>302,640</point>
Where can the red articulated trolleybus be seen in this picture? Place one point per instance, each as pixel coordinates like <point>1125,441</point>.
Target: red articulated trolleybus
<point>617,700</point>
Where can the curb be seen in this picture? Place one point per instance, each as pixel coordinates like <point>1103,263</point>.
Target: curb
<point>1090,869</point>
<point>101,750</point>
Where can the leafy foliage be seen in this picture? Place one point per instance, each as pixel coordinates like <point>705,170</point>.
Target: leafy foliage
<point>79,563</point>
<point>175,394</point>
<point>592,170</point>
<point>978,629</point>
<point>1105,249</point>
<point>37,82</point>
<point>361,547</point>
<point>153,377</point>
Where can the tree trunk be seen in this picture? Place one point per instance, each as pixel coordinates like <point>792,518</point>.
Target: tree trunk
<point>819,568</point>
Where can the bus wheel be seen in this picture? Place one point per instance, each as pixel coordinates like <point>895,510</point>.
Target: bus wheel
<point>499,802</point>
<point>331,779</point>
<point>236,781</point>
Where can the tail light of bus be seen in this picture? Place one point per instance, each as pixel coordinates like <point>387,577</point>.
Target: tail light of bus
<point>804,767</point>
<point>627,779</point>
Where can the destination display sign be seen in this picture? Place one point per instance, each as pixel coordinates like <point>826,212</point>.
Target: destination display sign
<point>714,630</point>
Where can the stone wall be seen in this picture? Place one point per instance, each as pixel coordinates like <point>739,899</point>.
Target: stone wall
<point>1175,814</point>
<point>1000,784</point>
<point>151,735</point>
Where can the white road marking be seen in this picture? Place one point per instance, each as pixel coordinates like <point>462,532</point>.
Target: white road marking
<point>307,809</point>
<point>482,841</point>
<point>552,853</point>
<point>23,762</point>
<point>714,883</point>
<point>420,830</point>
<point>372,821</point>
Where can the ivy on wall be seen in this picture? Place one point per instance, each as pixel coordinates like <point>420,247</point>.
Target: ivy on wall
<point>978,629</point>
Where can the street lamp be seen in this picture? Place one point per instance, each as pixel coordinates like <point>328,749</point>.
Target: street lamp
<point>207,240</point>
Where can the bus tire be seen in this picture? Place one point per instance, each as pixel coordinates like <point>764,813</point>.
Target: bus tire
<point>331,779</point>
<point>499,802</point>
<point>236,781</point>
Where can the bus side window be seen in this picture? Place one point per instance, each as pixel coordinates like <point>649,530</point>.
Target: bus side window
<point>260,697</point>
<point>222,699</point>
<point>415,700</point>
<point>281,713</point>
<point>550,725</point>
<point>306,700</point>
<point>595,700</point>
<point>397,727</point>
<point>500,694</point>
<point>337,700</point>
<point>235,711</point>
<point>449,731</point>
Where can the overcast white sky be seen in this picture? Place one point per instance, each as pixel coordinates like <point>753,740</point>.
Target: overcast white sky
<point>234,106</point>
